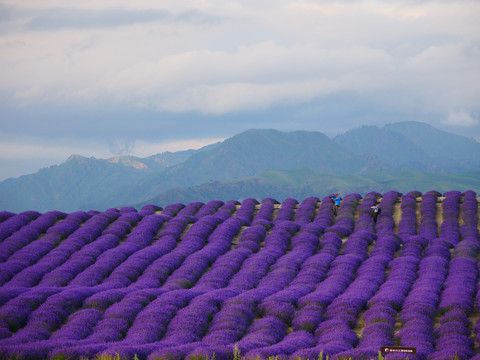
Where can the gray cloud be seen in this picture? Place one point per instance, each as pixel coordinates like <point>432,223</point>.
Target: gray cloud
<point>5,12</point>
<point>65,18</point>
<point>322,65</point>
<point>119,147</point>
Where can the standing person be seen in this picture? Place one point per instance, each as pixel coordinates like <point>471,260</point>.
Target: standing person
<point>336,199</point>
<point>331,196</point>
<point>375,212</point>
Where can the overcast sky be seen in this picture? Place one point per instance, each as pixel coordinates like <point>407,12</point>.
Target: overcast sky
<point>111,77</point>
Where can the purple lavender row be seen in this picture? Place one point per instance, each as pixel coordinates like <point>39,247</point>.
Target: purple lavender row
<point>457,300</point>
<point>237,313</point>
<point>144,262</point>
<point>271,283</point>
<point>79,261</point>
<point>226,210</point>
<point>469,216</point>
<point>88,254</point>
<point>20,263</point>
<point>161,268</point>
<point>15,222</point>
<point>428,208</point>
<point>153,328</point>
<point>86,234</point>
<point>365,221</point>
<point>150,325</point>
<point>134,266</point>
<point>421,303</point>
<point>324,215</point>
<point>284,270</point>
<point>386,223</point>
<point>192,322</point>
<point>209,208</point>
<point>314,270</point>
<point>246,212</point>
<point>287,210</point>
<point>383,307</point>
<point>76,242</point>
<point>50,315</point>
<point>265,213</point>
<point>230,323</point>
<point>190,209</point>
<point>476,328</point>
<point>117,318</point>
<point>80,323</point>
<point>312,266</point>
<point>341,272</point>
<point>227,265</point>
<point>408,223</point>
<point>89,330</point>
<point>28,233</point>
<point>219,242</point>
<point>339,277</point>
<point>225,330</point>
<point>8,293</point>
<point>172,209</point>
<point>344,221</point>
<point>306,211</point>
<point>256,266</point>
<point>4,215</point>
<point>335,334</point>
<point>150,209</point>
<point>450,229</point>
<point>453,336</point>
<point>142,236</point>
<point>14,313</point>
<point>322,220</point>
<point>279,308</point>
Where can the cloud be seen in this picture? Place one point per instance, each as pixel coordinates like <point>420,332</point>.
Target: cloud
<point>460,118</point>
<point>121,146</point>
<point>29,154</point>
<point>67,18</point>
<point>154,71</point>
<point>64,18</point>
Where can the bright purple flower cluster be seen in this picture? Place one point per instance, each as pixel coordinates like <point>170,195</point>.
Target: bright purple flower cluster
<point>408,223</point>
<point>428,227</point>
<point>288,279</point>
<point>287,210</point>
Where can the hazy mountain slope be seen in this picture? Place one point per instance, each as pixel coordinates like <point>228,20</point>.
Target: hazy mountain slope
<point>231,168</point>
<point>389,146</point>
<point>414,145</point>
<point>280,184</point>
<point>79,182</point>
<point>436,142</point>
<point>249,153</point>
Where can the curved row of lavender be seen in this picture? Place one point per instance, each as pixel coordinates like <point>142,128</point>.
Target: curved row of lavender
<point>265,279</point>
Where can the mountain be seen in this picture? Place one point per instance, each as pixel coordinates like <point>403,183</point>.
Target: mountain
<point>414,145</point>
<point>303,183</point>
<point>80,181</point>
<point>254,163</point>
<point>247,154</point>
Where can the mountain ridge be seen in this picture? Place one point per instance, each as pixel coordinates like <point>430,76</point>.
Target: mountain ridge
<point>83,183</point>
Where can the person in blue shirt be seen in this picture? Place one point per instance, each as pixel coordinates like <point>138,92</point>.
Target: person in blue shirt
<point>336,200</point>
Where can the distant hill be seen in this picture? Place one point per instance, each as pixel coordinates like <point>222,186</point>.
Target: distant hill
<point>247,154</point>
<point>253,163</point>
<point>414,145</point>
<point>302,183</point>
<point>80,181</point>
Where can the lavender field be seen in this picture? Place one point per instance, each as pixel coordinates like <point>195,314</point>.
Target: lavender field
<point>260,277</point>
